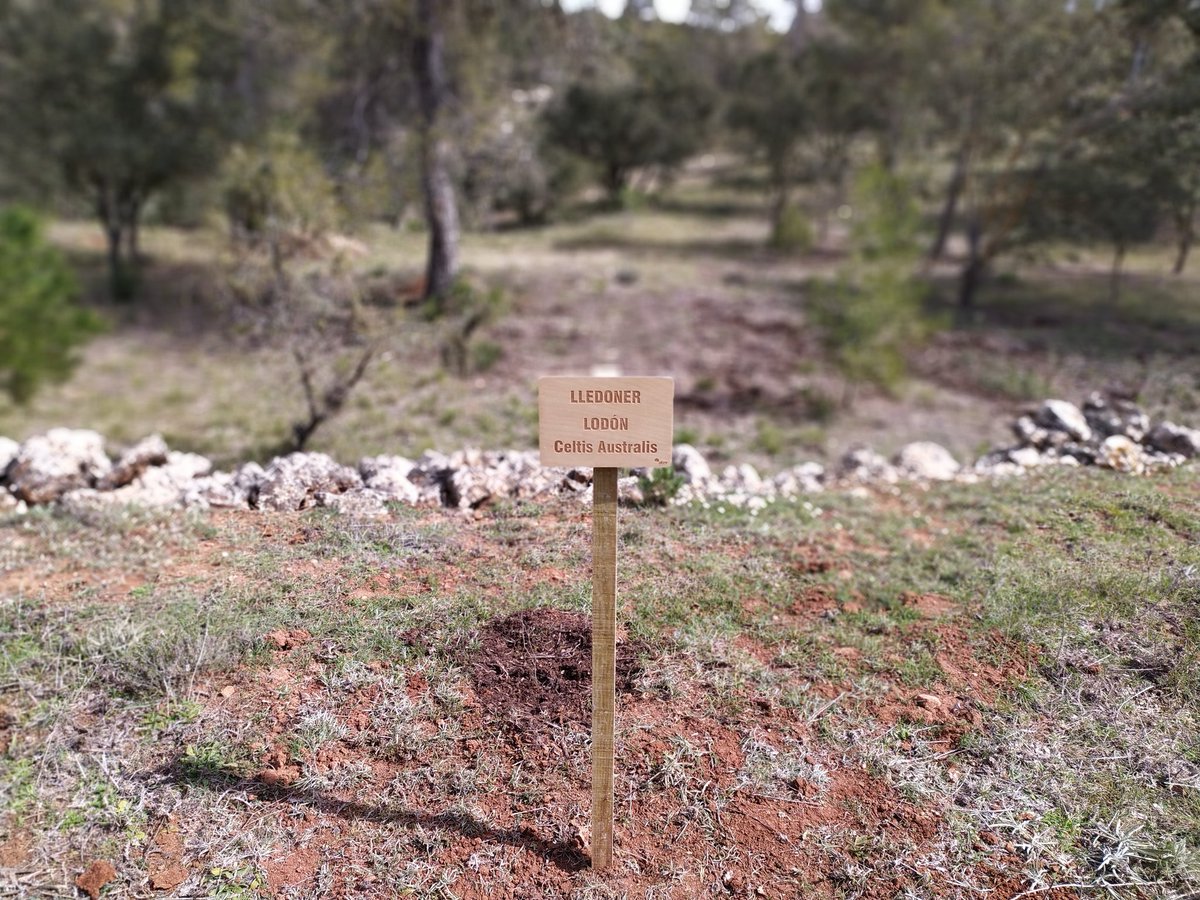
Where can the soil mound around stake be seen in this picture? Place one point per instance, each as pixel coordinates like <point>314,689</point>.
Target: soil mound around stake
<point>533,671</point>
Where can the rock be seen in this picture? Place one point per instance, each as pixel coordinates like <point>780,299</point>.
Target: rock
<point>743,478</point>
<point>1168,437</point>
<point>9,503</point>
<point>249,478</point>
<point>160,486</point>
<point>1026,457</point>
<point>215,491</point>
<point>357,503</point>
<point>224,490</point>
<point>805,478</point>
<point>1028,432</point>
<point>8,452</point>
<point>865,466</point>
<point>1059,415</point>
<point>1122,455</point>
<point>926,460</point>
<point>183,466</point>
<point>1119,417</point>
<point>992,467</point>
<point>429,474</point>
<point>151,451</point>
<point>61,460</point>
<point>388,475</point>
<point>929,701</point>
<point>691,464</point>
<point>629,491</point>
<point>1081,454</point>
<point>477,477</point>
<point>292,482</point>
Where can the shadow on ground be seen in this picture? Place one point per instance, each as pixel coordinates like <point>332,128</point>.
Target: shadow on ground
<point>566,857</point>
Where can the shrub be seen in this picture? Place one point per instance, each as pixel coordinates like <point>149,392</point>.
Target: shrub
<point>279,192</point>
<point>872,314</point>
<point>792,231</point>
<point>40,325</point>
<point>660,486</point>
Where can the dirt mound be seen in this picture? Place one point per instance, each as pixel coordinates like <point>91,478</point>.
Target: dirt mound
<point>533,670</point>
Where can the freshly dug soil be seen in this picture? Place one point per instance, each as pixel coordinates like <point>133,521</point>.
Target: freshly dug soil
<point>533,671</point>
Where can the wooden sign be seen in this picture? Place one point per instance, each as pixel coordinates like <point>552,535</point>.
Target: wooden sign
<point>605,421</point>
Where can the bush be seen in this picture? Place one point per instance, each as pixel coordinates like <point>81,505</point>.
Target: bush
<point>792,232</point>
<point>872,315</point>
<point>280,191</point>
<point>40,326</point>
<point>466,312</point>
<point>660,486</point>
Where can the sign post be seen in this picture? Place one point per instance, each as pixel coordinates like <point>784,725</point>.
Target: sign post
<point>604,423</point>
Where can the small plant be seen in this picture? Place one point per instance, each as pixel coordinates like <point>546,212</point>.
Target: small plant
<point>319,728</point>
<point>463,313</point>
<point>792,231</point>
<point>660,486</point>
<point>872,315</point>
<point>40,326</point>
<point>213,758</point>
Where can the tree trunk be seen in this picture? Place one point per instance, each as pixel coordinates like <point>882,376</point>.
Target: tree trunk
<point>614,183</point>
<point>781,187</point>
<point>441,208</point>
<point>131,216</point>
<point>973,271</point>
<point>958,180</point>
<point>108,213</point>
<point>1114,283</point>
<point>1187,234</point>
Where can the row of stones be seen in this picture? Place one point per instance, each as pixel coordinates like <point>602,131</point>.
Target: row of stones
<point>71,467</point>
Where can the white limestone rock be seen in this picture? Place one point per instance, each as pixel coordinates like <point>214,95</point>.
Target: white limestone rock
<point>1120,454</point>
<point>150,451</point>
<point>61,460</point>
<point>8,452</point>
<point>291,482</point>
<point>865,466</point>
<point>691,464</point>
<point>389,475</point>
<point>926,461</point>
<point>1059,415</point>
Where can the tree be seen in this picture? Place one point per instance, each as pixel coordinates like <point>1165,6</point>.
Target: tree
<point>1169,120</point>
<point>40,326</point>
<point>1008,133</point>
<point>659,116</point>
<point>871,316</point>
<point>801,110</point>
<point>122,100</point>
<point>770,107</point>
<point>1105,195</point>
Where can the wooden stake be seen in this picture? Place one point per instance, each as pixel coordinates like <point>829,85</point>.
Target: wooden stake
<point>604,660</point>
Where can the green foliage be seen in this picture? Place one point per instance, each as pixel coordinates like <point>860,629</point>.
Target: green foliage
<point>800,113</point>
<point>658,117</point>
<point>769,107</point>
<point>792,231</point>
<point>463,314</point>
<point>116,102</point>
<point>281,189</point>
<point>40,326</point>
<point>660,486</point>
<point>872,314</point>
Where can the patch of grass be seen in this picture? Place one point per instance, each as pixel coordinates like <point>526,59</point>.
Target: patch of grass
<point>214,758</point>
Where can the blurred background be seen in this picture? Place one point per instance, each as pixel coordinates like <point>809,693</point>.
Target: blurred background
<point>368,226</point>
